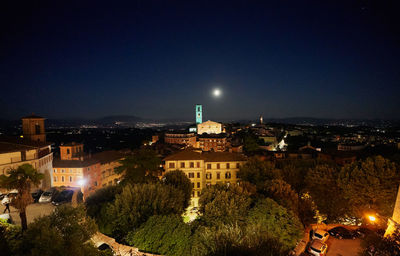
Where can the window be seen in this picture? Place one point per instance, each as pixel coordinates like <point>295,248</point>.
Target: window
<point>192,193</point>
<point>227,175</point>
<point>228,166</point>
<point>191,175</point>
<point>62,178</point>
<point>55,170</point>
<point>70,178</point>
<point>198,193</point>
<point>62,170</point>
<point>238,165</point>
<point>171,165</point>
<point>103,174</point>
<point>70,170</point>
<point>191,165</point>
<point>192,185</point>
<point>208,166</point>
<point>183,165</point>
<point>218,175</point>
<point>198,184</point>
<point>198,175</point>
<point>198,164</point>
<point>37,128</point>
<point>67,151</point>
<point>208,176</point>
<point>55,178</point>
<point>218,166</point>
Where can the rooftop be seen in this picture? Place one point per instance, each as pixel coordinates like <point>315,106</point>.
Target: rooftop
<point>33,116</point>
<point>108,156</point>
<point>57,163</point>
<point>9,144</point>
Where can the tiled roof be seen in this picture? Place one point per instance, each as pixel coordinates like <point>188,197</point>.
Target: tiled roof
<point>57,163</point>
<point>108,156</point>
<point>9,144</point>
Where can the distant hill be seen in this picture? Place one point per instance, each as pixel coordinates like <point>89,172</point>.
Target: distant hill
<point>120,118</point>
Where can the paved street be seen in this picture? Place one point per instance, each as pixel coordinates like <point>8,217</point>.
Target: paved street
<point>345,247</point>
<point>33,211</point>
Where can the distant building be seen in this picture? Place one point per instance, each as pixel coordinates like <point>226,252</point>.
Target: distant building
<point>209,127</point>
<point>199,114</point>
<point>182,138</point>
<point>205,169</point>
<point>71,151</point>
<point>31,148</point>
<point>212,142</point>
<point>350,147</point>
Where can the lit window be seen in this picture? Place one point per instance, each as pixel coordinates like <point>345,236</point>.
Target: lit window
<point>198,164</point>
<point>171,165</point>
<point>183,165</point>
<point>198,184</point>
<point>198,175</point>
<point>55,178</point>
<point>228,166</point>
<point>218,175</point>
<point>208,176</point>
<point>70,178</point>
<point>218,166</point>
<point>208,166</point>
<point>62,178</point>
<point>191,165</point>
<point>227,175</point>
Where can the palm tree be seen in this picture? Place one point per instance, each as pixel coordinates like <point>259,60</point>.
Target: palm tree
<point>21,179</point>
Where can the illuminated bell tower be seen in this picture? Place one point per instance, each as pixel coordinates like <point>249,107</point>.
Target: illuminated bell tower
<point>199,114</point>
<point>33,128</point>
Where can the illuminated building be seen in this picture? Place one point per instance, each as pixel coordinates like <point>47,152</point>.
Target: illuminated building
<point>188,139</point>
<point>33,128</point>
<point>31,148</point>
<point>205,168</point>
<point>394,222</point>
<point>71,151</point>
<point>199,114</point>
<point>213,142</point>
<point>209,127</point>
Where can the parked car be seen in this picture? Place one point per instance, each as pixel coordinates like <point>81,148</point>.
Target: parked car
<point>36,195</point>
<point>342,233</point>
<point>319,234</point>
<point>63,197</point>
<point>317,248</point>
<point>48,196</point>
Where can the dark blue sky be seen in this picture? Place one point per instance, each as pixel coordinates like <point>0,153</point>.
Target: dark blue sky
<point>157,59</point>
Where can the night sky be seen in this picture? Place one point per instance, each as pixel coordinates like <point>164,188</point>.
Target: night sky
<point>157,59</point>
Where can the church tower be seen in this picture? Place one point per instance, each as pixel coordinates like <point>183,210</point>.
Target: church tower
<point>199,114</point>
<point>33,128</point>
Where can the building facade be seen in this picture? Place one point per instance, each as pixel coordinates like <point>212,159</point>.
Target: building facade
<point>33,128</point>
<point>188,139</point>
<point>109,162</point>
<point>71,151</point>
<point>213,142</point>
<point>205,168</point>
<point>209,127</point>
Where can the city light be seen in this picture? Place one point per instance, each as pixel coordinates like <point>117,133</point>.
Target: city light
<point>81,182</point>
<point>372,218</point>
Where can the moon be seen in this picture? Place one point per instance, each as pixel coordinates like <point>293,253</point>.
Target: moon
<point>217,93</point>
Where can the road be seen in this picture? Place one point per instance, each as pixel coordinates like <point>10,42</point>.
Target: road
<point>33,211</point>
<point>345,247</point>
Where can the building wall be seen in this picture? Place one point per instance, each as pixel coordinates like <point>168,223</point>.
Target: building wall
<point>209,127</point>
<point>12,160</point>
<point>31,132</point>
<point>92,175</point>
<point>214,144</point>
<point>202,174</point>
<point>108,175</point>
<point>71,152</point>
<point>183,139</point>
<point>68,177</point>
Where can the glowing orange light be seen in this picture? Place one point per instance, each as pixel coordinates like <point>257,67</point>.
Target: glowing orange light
<point>372,218</point>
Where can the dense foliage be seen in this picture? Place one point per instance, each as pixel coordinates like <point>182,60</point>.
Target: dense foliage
<point>65,232</point>
<point>137,203</point>
<point>180,181</point>
<point>166,235</point>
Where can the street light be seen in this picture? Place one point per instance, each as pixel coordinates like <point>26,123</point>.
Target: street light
<point>372,218</point>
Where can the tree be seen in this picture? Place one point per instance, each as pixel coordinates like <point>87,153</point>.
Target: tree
<point>370,185</point>
<point>97,203</point>
<point>258,172</point>
<point>377,245</point>
<point>250,143</point>
<point>327,195</point>
<point>282,193</point>
<point>270,218</point>
<point>180,181</point>
<point>235,240</point>
<point>224,204</point>
<point>22,180</point>
<point>140,167</point>
<point>166,235</point>
<point>137,203</point>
